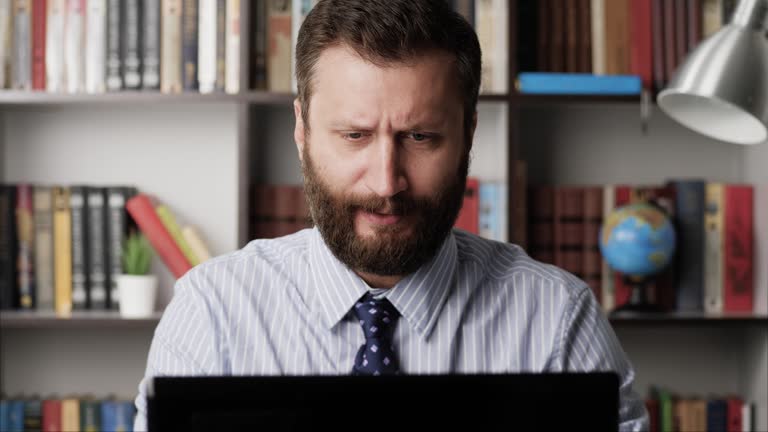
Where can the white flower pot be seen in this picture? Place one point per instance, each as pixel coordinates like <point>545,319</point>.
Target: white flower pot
<point>137,295</point>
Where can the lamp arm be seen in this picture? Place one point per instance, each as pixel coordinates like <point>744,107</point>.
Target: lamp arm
<point>751,14</point>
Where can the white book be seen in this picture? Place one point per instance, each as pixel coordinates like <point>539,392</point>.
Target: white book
<point>96,46</point>
<point>21,58</point>
<point>484,23</point>
<point>170,51</point>
<point>761,249</point>
<point>206,45</point>
<point>5,41</point>
<point>74,45</point>
<point>501,46</point>
<point>196,244</point>
<point>607,282</point>
<point>232,52</point>
<point>713,249</point>
<point>746,417</point>
<point>299,10</point>
<point>55,73</point>
<point>597,12</point>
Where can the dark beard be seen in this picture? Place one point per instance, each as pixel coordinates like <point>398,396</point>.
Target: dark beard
<point>391,252</point>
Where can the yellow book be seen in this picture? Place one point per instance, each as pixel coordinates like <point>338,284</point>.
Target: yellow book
<point>714,214</point>
<point>70,415</point>
<point>62,251</point>
<point>196,243</point>
<point>169,222</point>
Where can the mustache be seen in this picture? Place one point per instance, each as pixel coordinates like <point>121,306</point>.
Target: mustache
<point>398,205</point>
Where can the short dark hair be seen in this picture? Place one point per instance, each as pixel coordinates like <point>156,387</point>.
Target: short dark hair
<point>390,31</point>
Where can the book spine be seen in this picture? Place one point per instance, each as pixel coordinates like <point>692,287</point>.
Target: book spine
<point>642,41</point>
<point>569,229</point>
<point>761,250</point>
<point>117,228</point>
<point>54,46</point>
<point>21,61</point>
<point>712,17</point>
<point>75,46</point>
<point>170,224</point>
<point>62,250</point>
<point>5,41</point>
<point>694,23</point>
<point>554,83</point>
<point>622,291</point>
<point>470,209</point>
<point>51,415</point>
<point>170,64</point>
<point>114,45</point>
<point>131,43</point>
<point>658,37</point>
<point>598,36</point>
<point>70,415</point>
<point>43,220</point>
<point>25,232</point>
<point>232,53</point>
<point>557,38</point>
<point>738,252</point>
<point>150,44</point>
<point>78,203</point>
<point>38,44</point>
<point>592,260</point>
<point>299,11</point>
<point>206,42</point>
<point>501,46</point>
<point>90,415</point>
<point>543,38</point>
<point>607,285</point>
<point>221,42</point>
<point>143,212</point>
<point>189,40</point>
<point>571,37</point>
<point>670,51</point>
<point>8,248</point>
<point>96,47</point>
<point>33,415</point>
<point>713,248</point>
<point>196,244</point>
<point>97,254</point>
<point>691,198</point>
<point>585,36</point>
<point>734,414</point>
<point>681,32</point>
<point>542,229</point>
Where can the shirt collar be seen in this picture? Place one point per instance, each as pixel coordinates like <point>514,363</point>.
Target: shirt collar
<point>419,297</point>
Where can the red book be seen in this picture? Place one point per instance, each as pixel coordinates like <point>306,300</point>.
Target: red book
<point>738,252</point>
<point>734,414</point>
<point>641,41</point>
<point>143,212</point>
<point>670,51</point>
<point>569,229</point>
<point>652,405</point>
<point>38,44</point>
<point>51,415</point>
<point>694,24</point>
<point>659,65</point>
<point>469,215</point>
<point>681,32</point>
<point>541,223</point>
<point>592,261</point>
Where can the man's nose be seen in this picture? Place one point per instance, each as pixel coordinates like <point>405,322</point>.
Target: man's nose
<point>386,176</point>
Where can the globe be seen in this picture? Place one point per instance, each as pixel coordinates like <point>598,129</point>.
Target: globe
<point>637,240</point>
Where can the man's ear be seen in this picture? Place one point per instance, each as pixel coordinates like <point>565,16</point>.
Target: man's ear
<point>298,131</point>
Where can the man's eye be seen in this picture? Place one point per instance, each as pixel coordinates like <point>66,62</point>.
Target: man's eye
<point>353,136</point>
<point>418,136</point>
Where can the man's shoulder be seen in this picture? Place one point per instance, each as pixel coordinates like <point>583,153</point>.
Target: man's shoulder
<point>504,262</point>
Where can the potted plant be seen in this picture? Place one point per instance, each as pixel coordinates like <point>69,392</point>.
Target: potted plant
<point>136,287</point>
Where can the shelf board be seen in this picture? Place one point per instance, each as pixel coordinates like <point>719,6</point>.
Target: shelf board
<point>16,98</point>
<point>688,318</point>
<point>79,319</point>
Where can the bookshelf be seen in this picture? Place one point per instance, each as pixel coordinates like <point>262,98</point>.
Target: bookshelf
<point>199,154</point>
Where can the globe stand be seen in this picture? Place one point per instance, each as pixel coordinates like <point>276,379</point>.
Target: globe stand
<point>638,301</point>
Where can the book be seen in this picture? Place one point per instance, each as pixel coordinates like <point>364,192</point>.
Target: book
<point>488,225</point>
<point>118,226</point>
<point>541,223</point>
<point>15,420</point>
<point>70,415</point>
<point>130,40</point>
<point>717,415</point>
<point>734,418</point>
<point>491,25</point>
<point>299,10</point>
<point>21,59</point>
<point>592,269</point>
<point>712,17</point>
<point>607,285</point>
<point>189,44</point>
<point>738,252</point>
<point>43,219</point>
<point>143,212</point>
<point>25,235</point>
<point>468,215</point>
<point>571,36</point>
<point>117,415</point>
<point>232,51</point>
<point>689,211</point>
<point>761,250</point>
<point>552,83</point>
<point>279,51</point>
<point>196,243</point>
<point>9,298</point>
<point>569,229</point>
<point>597,13</point>
<point>81,287</point>
<point>74,46</point>
<point>584,43</point>
<point>617,37</point>
<point>641,41</point>
<point>170,47</point>
<point>52,415</point>
<point>97,241</point>
<point>115,22</point>
<point>713,248</point>
<point>62,251</point>
<point>169,222</point>
<point>33,415</point>
<point>207,45</point>
<point>54,46</point>
<point>221,42</point>
<point>747,416</point>
<point>96,47</point>
<point>90,416</point>
<point>38,44</point>
<point>658,39</point>
<point>5,42</point>
<point>150,44</point>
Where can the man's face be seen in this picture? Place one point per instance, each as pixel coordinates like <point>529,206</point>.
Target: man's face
<point>384,159</point>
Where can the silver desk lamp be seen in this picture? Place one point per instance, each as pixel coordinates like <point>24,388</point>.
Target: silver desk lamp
<point>721,90</point>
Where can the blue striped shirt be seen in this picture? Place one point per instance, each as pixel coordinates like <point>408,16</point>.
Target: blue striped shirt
<point>282,307</point>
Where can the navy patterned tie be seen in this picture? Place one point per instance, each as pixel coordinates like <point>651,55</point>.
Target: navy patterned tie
<point>378,319</point>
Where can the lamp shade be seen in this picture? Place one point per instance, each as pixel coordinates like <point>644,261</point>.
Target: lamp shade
<point>721,90</point>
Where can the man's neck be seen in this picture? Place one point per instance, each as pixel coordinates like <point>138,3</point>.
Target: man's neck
<point>378,281</point>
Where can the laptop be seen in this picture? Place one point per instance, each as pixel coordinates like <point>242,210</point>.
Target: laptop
<point>565,401</point>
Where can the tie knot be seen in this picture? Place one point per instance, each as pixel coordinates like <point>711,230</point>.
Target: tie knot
<point>377,317</point>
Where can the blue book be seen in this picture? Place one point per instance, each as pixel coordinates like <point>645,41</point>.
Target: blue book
<point>4,408</point>
<point>578,84</point>
<point>117,416</point>
<point>689,214</point>
<point>15,416</point>
<point>488,204</point>
<point>717,415</point>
